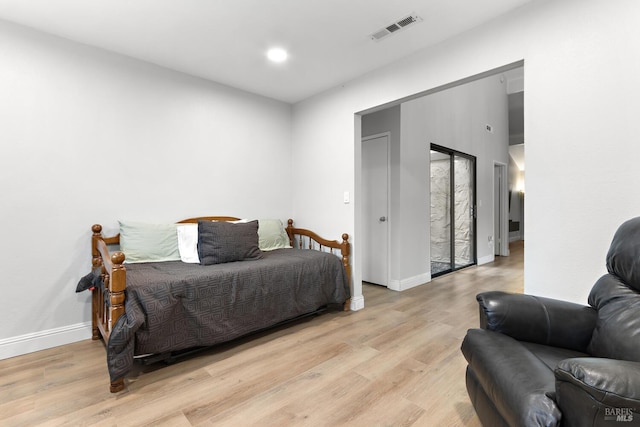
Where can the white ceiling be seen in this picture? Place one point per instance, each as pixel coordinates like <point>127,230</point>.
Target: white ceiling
<point>226,40</point>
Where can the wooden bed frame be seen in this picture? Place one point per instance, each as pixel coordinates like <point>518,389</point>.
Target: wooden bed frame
<point>108,303</point>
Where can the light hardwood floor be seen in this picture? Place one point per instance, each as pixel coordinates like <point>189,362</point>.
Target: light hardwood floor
<point>395,363</point>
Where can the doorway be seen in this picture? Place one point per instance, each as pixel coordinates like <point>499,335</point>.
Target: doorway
<point>453,210</point>
<point>375,209</point>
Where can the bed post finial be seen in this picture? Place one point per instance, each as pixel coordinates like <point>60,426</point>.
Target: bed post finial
<point>289,231</point>
<point>95,254</point>
<point>117,258</point>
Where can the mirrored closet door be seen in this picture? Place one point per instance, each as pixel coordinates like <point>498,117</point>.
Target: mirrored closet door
<point>453,216</point>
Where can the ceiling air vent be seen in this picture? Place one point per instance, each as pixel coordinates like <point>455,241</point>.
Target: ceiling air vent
<point>401,24</point>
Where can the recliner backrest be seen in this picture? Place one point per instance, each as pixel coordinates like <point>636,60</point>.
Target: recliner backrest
<point>616,298</point>
<point>623,258</point>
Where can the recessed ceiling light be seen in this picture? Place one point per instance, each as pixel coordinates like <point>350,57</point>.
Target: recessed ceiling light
<point>277,54</point>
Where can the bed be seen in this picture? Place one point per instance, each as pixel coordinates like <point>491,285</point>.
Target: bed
<point>152,306</point>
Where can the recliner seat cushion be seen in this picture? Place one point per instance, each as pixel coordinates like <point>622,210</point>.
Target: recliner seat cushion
<point>551,356</point>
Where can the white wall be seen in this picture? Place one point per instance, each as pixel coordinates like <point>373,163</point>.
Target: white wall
<point>188,147</point>
<point>581,104</point>
<point>456,118</point>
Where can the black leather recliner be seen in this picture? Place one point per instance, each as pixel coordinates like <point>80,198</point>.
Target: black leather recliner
<point>543,362</point>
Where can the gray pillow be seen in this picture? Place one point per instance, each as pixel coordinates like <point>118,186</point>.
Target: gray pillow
<point>220,242</point>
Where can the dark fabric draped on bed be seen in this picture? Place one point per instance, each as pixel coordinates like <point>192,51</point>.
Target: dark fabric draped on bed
<point>172,306</point>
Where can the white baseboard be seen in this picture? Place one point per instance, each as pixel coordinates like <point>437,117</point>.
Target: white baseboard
<point>486,259</point>
<point>28,343</point>
<point>411,282</point>
<point>357,303</point>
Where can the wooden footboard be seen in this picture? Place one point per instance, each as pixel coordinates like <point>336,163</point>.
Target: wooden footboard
<point>108,302</point>
<point>306,239</point>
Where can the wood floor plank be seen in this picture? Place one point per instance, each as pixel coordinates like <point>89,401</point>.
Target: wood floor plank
<point>244,384</point>
<point>307,387</point>
<point>395,363</point>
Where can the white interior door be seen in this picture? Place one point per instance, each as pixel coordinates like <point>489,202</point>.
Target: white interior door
<point>375,209</point>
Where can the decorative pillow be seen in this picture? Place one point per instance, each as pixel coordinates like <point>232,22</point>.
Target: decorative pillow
<point>271,235</point>
<point>188,243</point>
<point>220,242</point>
<point>143,242</point>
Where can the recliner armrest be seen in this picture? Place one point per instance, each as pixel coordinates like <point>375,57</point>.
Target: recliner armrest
<point>592,391</point>
<point>537,319</point>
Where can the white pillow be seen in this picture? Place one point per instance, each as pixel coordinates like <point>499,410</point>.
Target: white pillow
<point>188,243</point>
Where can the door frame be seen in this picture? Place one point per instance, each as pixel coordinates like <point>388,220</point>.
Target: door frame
<point>500,209</point>
<point>474,223</point>
<point>387,256</point>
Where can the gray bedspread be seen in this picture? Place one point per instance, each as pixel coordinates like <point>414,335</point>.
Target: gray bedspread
<point>173,306</point>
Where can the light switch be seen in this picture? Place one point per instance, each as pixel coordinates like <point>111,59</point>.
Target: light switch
<point>346,198</point>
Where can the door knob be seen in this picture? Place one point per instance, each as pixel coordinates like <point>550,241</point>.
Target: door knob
<point>383,218</point>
